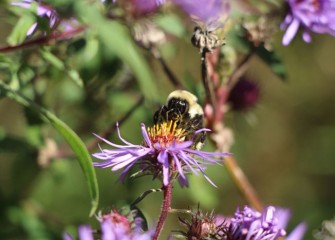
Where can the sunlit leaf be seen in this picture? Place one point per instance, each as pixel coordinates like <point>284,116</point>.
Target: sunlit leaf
<point>71,137</point>
<point>19,33</point>
<point>117,39</point>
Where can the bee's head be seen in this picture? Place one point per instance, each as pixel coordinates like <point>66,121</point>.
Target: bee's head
<point>184,102</point>
<point>181,105</point>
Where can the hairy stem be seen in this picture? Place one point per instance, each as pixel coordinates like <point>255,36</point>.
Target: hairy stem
<point>167,190</point>
<point>205,81</point>
<point>45,39</point>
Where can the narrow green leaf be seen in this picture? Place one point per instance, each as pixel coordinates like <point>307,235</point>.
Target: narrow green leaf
<point>274,62</point>
<point>52,59</point>
<point>117,39</point>
<point>70,136</point>
<point>60,65</point>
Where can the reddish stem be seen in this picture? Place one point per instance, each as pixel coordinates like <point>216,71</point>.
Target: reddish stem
<point>45,39</point>
<point>167,190</point>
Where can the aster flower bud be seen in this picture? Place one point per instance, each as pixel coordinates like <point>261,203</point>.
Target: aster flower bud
<point>244,95</point>
<point>209,15</point>
<point>203,226</point>
<point>147,34</point>
<point>327,231</point>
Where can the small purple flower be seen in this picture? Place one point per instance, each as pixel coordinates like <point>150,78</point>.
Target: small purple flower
<point>209,12</point>
<point>248,224</point>
<point>43,11</point>
<point>312,16</point>
<point>164,153</point>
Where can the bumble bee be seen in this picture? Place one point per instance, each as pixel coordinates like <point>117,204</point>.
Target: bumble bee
<point>206,39</point>
<point>182,108</point>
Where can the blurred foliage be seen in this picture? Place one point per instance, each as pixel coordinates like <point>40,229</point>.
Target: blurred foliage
<point>56,93</point>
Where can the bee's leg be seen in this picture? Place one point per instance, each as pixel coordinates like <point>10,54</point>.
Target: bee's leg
<point>199,140</point>
<point>197,122</point>
<point>160,115</point>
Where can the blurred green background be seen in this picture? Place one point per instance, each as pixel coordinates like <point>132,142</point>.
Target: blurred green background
<point>285,145</point>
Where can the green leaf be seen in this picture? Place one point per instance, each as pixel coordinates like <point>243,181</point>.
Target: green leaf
<point>19,33</point>
<point>70,136</point>
<point>60,65</point>
<point>117,39</point>
<point>171,24</point>
<point>237,40</point>
<point>52,59</point>
<point>274,62</point>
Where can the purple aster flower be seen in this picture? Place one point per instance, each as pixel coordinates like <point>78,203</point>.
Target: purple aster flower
<point>248,224</point>
<point>209,12</point>
<point>164,153</point>
<point>114,226</point>
<point>312,16</point>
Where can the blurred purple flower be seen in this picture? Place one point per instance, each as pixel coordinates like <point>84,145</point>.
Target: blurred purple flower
<point>47,12</point>
<point>43,11</point>
<point>312,16</point>
<point>248,224</point>
<point>209,12</point>
<point>144,7</point>
<point>114,226</point>
<point>164,152</point>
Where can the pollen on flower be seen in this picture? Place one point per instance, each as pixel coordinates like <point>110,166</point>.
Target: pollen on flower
<point>166,133</point>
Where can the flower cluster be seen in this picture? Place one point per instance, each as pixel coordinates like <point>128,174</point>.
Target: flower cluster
<point>165,152</point>
<point>312,16</point>
<point>114,226</point>
<point>248,224</point>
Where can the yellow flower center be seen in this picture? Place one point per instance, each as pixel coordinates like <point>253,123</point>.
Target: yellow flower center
<point>166,133</point>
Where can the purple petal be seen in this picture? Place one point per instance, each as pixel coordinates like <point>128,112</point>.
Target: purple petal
<point>177,162</point>
<point>119,134</point>
<point>113,144</point>
<point>85,232</point>
<point>164,159</point>
<point>283,215</point>
<point>290,32</point>
<point>145,135</point>
<point>298,232</point>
